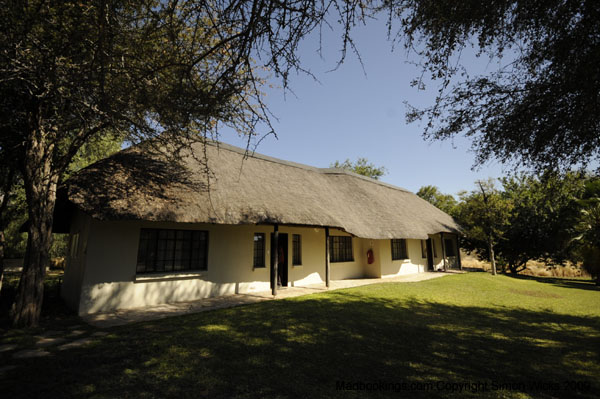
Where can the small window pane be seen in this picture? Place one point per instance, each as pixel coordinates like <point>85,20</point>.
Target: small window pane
<point>399,250</point>
<point>259,250</point>
<point>340,249</point>
<point>297,249</point>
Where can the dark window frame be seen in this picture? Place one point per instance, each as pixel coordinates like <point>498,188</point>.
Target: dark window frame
<point>296,250</point>
<point>399,249</point>
<point>341,249</point>
<point>424,249</point>
<point>259,252</point>
<point>172,251</point>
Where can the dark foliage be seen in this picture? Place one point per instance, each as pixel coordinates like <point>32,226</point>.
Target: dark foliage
<point>540,108</point>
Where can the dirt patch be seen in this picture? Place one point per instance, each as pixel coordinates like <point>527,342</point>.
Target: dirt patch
<point>568,270</point>
<point>537,294</point>
<point>534,268</point>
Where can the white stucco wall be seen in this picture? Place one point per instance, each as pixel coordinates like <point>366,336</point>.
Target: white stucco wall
<point>392,268</point>
<point>102,276</point>
<point>354,269</point>
<point>110,280</point>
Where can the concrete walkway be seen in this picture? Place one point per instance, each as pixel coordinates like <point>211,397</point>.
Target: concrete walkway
<point>126,316</point>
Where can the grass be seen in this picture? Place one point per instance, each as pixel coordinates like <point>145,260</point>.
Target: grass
<point>532,337</point>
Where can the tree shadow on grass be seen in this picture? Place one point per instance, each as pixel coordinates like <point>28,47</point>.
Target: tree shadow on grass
<point>302,347</point>
<point>561,282</point>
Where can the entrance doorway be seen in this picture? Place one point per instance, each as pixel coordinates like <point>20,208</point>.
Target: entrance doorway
<point>429,255</point>
<point>282,264</point>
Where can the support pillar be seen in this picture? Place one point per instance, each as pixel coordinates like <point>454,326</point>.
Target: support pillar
<point>443,251</point>
<point>275,259</point>
<point>327,264</point>
<point>458,252</point>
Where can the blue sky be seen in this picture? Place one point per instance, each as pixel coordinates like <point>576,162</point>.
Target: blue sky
<point>349,115</point>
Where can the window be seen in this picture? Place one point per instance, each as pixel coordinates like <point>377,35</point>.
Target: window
<point>399,249</point>
<point>449,247</point>
<point>424,249</point>
<point>340,249</point>
<point>296,250</point>
<point>162,250</point>
<point>434,249</point>
<point>259,250</point>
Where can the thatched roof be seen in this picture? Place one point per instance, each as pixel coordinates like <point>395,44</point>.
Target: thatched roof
<point>134,185</point>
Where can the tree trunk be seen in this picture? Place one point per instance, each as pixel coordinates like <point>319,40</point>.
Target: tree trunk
<point>40,183</point>
<point>1,258</point>
<point>492,257</point>
<point>515,268</point>
<point>6,191</point>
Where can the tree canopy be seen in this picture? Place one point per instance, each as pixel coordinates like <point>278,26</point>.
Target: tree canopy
<point>484,215</point>
<point>541,107</point>
<point>587,228</point>
<point>551,218</point>
<point>445,202</point>
<point>544,210</point>
<point>361,166</point>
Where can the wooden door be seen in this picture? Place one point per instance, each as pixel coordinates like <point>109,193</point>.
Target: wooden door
<point>282,264</point>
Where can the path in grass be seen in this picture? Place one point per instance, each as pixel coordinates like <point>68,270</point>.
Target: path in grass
<point>432,337</point>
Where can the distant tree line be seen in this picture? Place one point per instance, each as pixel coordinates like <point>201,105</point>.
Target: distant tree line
<point>551,218</point>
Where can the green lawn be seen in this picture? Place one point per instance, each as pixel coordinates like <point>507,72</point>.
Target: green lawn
<point>475,332</point>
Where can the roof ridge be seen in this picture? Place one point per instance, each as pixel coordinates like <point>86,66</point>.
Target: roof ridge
<point>254,154</point>
<point>325,171</point>
<point>339,171</point>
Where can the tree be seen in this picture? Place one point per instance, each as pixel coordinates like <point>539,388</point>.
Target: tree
<point>484,216</point>
<point>361,166</point>
<point>543,212</point>
<point>589,225</point>
<point>94,150</point>
<point>541,106</point>
<point>587,229</point>
<point>8,180</point>
<point>13,206</point>
<point>433,195</point>
<point>170,71</point>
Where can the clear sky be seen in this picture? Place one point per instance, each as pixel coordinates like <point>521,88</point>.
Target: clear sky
<point>348,114</point>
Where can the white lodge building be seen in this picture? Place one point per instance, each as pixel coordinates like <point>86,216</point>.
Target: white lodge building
<point>145,231</point>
